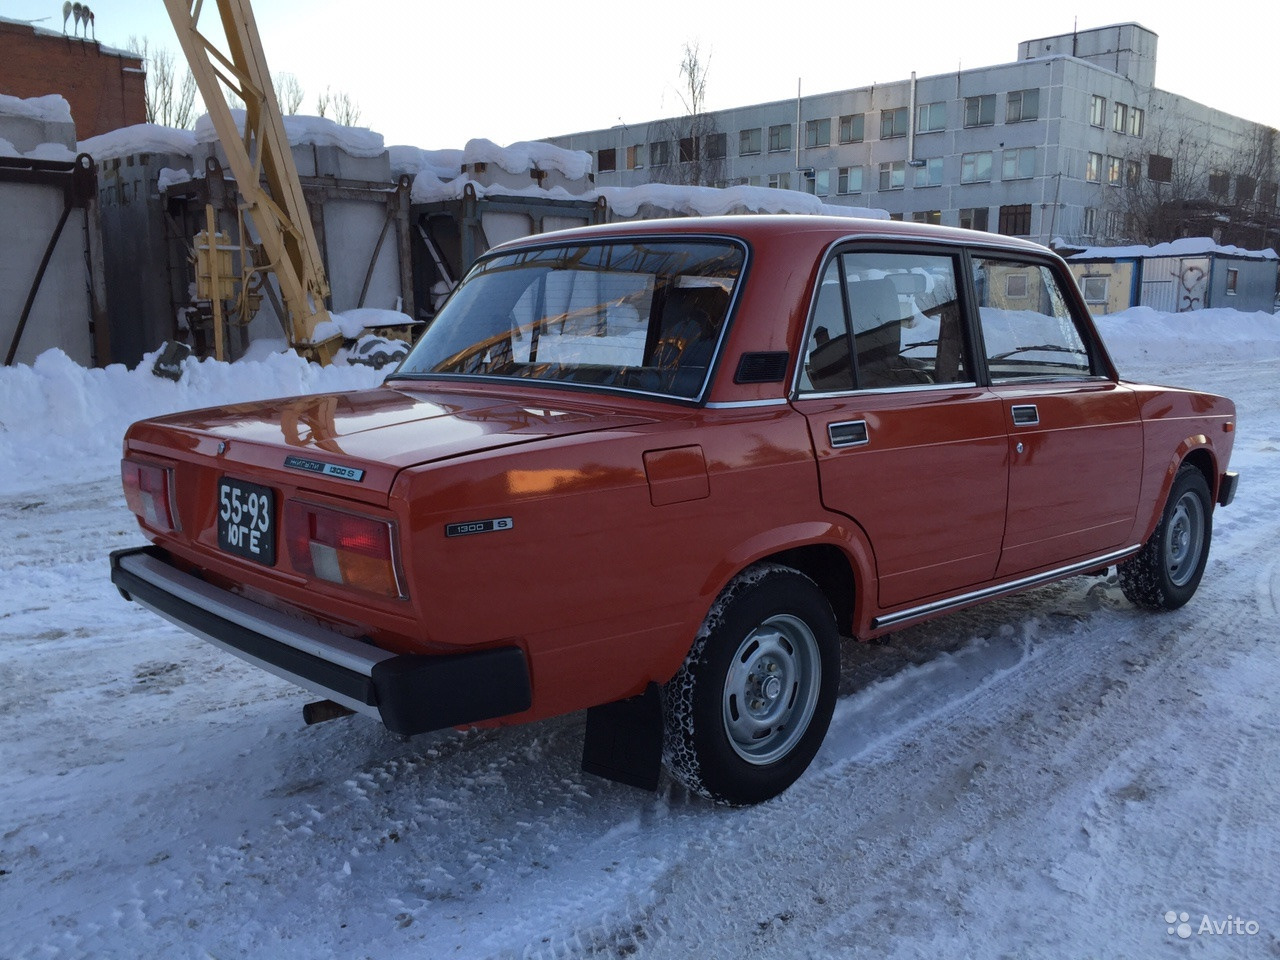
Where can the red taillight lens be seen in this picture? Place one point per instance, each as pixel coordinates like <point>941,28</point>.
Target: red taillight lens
<point>341,547</point>
<point>147,491</point>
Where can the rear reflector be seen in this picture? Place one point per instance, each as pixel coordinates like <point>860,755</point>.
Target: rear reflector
<point>147,490</point>
<point>342,547</point>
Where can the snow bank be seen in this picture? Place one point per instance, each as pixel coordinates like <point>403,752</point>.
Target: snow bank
<point>1192,337</point>
<point>139,138</point>
<point>64,422</point>
<point>318,131</point>
<point>1182,247</point>
<point>52,108</point>
<point>713,201</point>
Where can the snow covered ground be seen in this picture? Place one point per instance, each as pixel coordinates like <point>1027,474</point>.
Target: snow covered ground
<point>1046,776</point>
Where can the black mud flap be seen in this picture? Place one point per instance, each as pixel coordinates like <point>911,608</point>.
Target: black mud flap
<point>624,740</point>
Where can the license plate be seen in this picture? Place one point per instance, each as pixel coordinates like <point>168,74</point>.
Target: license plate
<point>247,520</point>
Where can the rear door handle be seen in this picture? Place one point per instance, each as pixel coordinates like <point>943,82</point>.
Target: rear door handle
<point>1025,415</point>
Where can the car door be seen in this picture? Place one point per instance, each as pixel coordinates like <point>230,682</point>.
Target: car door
<point>1075,435</point>
<point>909,446</point>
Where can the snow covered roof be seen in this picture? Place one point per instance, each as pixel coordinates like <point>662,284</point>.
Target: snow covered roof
<point>1183,247</point>
<point>139,138</point>
<point>319,131</point>
<point>43,151</point>
<point>524,156</point>
<point>713,201</point>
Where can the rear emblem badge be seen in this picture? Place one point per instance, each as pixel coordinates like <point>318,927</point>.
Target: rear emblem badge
<point>478,526</point>
<point>328,469</point>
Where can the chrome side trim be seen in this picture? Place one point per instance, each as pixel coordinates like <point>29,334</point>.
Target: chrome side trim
<point>743,404</point>
<point>988,593</point>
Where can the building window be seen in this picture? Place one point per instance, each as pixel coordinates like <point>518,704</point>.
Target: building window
<point>1015,221</point>
<point>1119,117</point>
<point>973,218</point>
<point>1233,278</point>
<point>607,160</point>
<point>929,172</point>
<point>1095,289</point>
<point>931,117</point>
<point>1135,122</point>
<point>1022,105</point>
<point>1093,169</point>
<point>635,157</point>
<point>852,128</point>
<point>1246,187</point>
<point>1132,172</point>
<point>818,182</point>
<point>1114,224</point>
<point>980,111</point>
<point>893,176</point>
<point>1159,169</point>
<point>927,216</point>
<point>717,146</point>
<point>817,133</point>
<point>849,180</point>
<point>780,138</point>
<point>975,167</point>
<point>1097,111</point>
<point>781,181</point>
<point>1115,168</point>
<point>688,149</point>
<point>659,153</point>
<point>1090,223</point>
<point>1219,183</point>
<point>893,123</point>
<point>749,142</point>
<point>1268,193</point>
<point>1019,164</point>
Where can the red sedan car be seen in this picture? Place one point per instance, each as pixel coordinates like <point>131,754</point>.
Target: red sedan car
<point>657,469</point>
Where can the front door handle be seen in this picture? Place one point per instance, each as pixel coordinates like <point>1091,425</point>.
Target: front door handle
<point>850,433</point>
<point>1025,415</point>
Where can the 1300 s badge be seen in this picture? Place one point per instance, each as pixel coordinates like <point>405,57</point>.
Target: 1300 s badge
<point>328,469</point>
<point>478,526</point>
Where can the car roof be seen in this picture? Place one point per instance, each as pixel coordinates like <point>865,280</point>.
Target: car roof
<point>770,226</point>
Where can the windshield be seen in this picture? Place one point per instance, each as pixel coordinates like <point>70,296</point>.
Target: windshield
<point>630,314</point>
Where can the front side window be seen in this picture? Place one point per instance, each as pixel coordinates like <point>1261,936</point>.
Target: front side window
<point>1027,326</point>
<point>980,111</point>
<point>975,167</point>
<point>631,316</point>
<point>780,138</point>
<point>885,320</point>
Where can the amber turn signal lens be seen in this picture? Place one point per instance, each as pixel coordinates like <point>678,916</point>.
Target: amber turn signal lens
<point>342,547</point>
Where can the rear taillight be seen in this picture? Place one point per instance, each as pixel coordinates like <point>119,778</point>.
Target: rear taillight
<point>148,491</point>
<point>341,547</point>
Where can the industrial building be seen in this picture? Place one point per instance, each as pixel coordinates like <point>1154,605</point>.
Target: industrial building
<point>1072,141</point>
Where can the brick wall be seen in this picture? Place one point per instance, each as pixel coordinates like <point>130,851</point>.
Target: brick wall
<point>105,87</point>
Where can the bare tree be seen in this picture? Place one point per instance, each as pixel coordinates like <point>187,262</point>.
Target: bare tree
<point>345,110</point>
<point>170,102</point>
<point>697,149</point>
<point>288,93</point>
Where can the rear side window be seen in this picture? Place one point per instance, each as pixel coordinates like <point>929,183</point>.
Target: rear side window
<point>886,320</point>
<point>1027,327</point>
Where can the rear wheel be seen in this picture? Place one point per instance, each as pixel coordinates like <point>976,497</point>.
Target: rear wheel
<point>1166,573</point>
<point>747,711</point>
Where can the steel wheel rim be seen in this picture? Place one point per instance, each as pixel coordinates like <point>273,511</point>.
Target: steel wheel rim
<point>771,689</point>
<point>1184,541</point>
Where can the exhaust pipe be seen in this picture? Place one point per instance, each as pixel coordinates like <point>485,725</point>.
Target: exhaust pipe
<point>323,710</point>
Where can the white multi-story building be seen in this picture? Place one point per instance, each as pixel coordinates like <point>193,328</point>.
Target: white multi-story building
<point>1070,141</point>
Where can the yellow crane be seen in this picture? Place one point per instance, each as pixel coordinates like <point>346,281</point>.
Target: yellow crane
<point>260,153</point>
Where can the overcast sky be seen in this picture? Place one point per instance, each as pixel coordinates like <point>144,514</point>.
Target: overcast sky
<point>437,75</point>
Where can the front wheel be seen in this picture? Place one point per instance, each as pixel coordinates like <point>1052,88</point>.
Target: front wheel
<point>1166,573</point>
<point>747,711</point>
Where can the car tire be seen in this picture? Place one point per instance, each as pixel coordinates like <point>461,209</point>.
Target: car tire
<point>747,711</point>
<point>1166,572</point>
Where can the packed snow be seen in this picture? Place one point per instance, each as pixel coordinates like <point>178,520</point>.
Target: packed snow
<point>139,138</point>
<point>51,108</point>
<point>1055,775</point>
<point>1182,247</point>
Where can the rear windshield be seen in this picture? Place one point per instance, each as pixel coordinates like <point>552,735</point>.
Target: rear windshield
<point>629,315</point>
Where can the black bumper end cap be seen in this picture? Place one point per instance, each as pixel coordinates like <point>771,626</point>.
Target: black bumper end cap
<point>420,693</point>
<point>1227,488</point>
